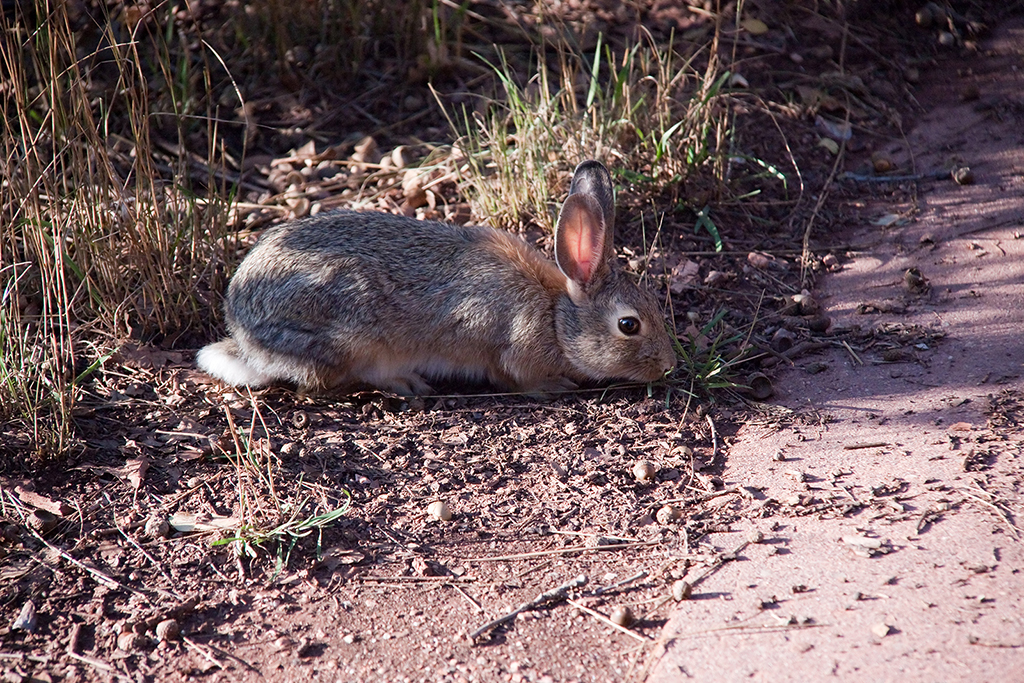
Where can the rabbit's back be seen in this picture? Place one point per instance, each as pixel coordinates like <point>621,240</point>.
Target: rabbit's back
<point>362,289</point>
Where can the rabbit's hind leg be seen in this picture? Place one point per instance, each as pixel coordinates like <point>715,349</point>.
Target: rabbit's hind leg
<point>406,384</point>
<point>345,378</point>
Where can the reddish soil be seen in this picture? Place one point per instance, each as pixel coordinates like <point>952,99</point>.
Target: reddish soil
<point>913,440</point>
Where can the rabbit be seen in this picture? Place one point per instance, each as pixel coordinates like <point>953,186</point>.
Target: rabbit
<point>350,299</point>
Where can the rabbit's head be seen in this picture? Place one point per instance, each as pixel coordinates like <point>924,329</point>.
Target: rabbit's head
<point>607,326</point>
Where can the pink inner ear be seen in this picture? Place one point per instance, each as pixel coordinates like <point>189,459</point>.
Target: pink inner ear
<point>580,244</point>
<point>583,237</point>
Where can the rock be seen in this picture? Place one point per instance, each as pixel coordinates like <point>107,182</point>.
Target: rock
<point>622,616</point>
<point>168,630</point>
<point>644,471</point>
<point>439,510</point>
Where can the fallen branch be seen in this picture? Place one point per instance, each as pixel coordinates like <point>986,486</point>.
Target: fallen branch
<point>625,582</point>
<point>859,178</point>
<point>1000,512</point>
<point>561,551</point>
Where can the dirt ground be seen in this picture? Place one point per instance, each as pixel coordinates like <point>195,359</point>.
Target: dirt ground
<point>862,524</point>
<point>925,444</point>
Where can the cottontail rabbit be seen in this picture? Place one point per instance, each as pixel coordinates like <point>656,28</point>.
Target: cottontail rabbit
<point>347,299</point>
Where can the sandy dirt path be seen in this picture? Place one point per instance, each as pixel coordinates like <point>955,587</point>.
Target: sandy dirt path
<point>921,436</point>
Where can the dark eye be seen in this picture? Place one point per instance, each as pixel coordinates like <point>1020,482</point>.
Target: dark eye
<point>629,326</point>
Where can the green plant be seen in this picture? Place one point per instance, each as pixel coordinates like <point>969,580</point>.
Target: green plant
<point>703,364</point>
<point>273,512</point>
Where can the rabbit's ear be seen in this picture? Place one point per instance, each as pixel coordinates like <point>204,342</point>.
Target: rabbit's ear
<point>581,240</point>
<point>592,178</point>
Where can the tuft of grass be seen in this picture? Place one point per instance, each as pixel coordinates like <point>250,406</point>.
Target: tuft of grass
<point>274,512</point>
<point>645,110</point>
<point>703,361</point>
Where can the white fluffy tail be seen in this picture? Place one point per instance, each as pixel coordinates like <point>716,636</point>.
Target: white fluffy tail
<point>224,361</point>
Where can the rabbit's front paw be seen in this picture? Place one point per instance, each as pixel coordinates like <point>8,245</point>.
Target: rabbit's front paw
<point>549,388</point>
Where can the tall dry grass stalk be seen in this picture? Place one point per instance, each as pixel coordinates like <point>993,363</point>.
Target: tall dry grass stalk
<point>99,239</point>
<point>119,153</point>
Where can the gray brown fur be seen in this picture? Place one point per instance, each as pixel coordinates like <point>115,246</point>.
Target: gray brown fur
<point>348,299</point>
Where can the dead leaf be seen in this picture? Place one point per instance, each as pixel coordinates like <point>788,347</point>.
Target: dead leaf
<point>683,275</point>
<point>135,471</point>
<point>146,357</point>
<point>40,501</point>
<point>829,144</point>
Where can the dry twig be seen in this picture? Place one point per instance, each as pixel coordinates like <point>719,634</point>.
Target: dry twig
<point>554,594</point>
<point>605,620</point>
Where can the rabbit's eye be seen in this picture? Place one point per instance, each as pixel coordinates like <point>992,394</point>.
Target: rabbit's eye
<point>629,326</point>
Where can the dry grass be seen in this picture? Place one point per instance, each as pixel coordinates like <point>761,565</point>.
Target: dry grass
<point>103,238</point>
<point>645,110</point>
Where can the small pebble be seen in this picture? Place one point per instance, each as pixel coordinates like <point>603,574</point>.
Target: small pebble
<point>26,620</point>
<point>881,162</point>
<point>400,157</point>
<point>439,510</point>
<point>681,590</point>
<point>754,536</point>
<point>963,175</point>
<point>128,641</point>
<point>782,340</point>
<point>157,527</point>
<point>716,278</point>
<point>168,630</point>
<point>760,386</point>
<point>881,629</point>
<point>644,471</point>
<point>914,281</point>
<point>929,15</point>
<point>42,522</point>
<point>622,616</point>
<point>668,514</point>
